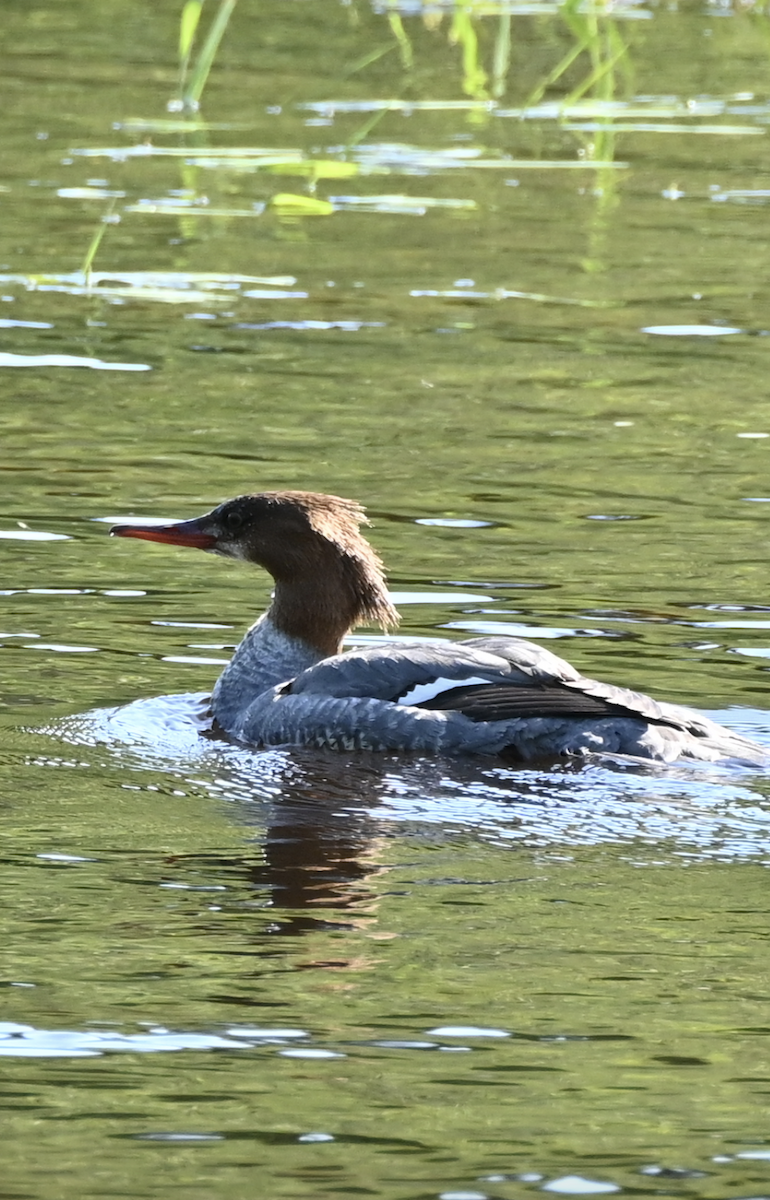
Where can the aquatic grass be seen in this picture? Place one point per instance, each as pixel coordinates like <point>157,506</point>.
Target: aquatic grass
<point>591,110</point>
<point>554,75</point>
<point>595,33</point>
<point>108,218</point>
<point>192,80</point>
<point>603,68</point>
<point>501,60</point>
<point>463,33</point>
<point>364,130</point>
<point>188,27</point>
<point>360,64</point>
<point>402,40</point>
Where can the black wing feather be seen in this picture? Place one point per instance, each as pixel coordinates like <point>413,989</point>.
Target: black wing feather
<point>504,702</point>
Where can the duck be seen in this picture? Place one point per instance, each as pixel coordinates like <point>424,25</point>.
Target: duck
<point>289,683</point>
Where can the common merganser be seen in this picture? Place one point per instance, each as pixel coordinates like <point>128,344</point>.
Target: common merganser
<point>289,684</point>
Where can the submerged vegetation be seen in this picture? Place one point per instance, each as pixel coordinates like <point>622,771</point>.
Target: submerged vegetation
<point>583,99</point>
<point>594,95</point>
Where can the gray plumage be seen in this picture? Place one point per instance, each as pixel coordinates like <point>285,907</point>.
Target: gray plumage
<point>351,702</point>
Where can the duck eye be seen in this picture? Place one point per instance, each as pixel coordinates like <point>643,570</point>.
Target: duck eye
<point>234,520</point>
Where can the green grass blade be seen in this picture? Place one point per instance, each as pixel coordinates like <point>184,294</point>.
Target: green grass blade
<point>535,96</point>
<point>369,58</point>
<point>367,127</point>
<point>502,55</point>
<point>96,240</point>
<point>401,36</point>
<point>205,59</point>
<point>188,27</point>
<point>463,33</point>
<point>601,71</point>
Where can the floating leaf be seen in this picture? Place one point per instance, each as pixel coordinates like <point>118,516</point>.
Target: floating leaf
<point>290,205</point>
<point>316,168</point>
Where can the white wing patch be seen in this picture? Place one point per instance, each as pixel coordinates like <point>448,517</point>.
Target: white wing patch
<point>434,687</point>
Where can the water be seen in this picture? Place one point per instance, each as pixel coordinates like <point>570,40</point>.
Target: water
<point>516,305</point>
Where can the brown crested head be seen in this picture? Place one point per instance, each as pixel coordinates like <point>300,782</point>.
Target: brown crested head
<point>328,578</point>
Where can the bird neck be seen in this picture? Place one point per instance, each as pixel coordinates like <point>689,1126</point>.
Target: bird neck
<point>332,593</point>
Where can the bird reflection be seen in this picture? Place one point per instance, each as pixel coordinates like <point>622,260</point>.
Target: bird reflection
<point>321,844</point>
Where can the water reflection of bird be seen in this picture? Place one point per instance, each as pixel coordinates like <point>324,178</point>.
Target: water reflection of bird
<point>320,848</point>
<point>289,684</point>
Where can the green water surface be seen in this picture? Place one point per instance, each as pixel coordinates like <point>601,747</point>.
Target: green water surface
<point>411,254</point>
